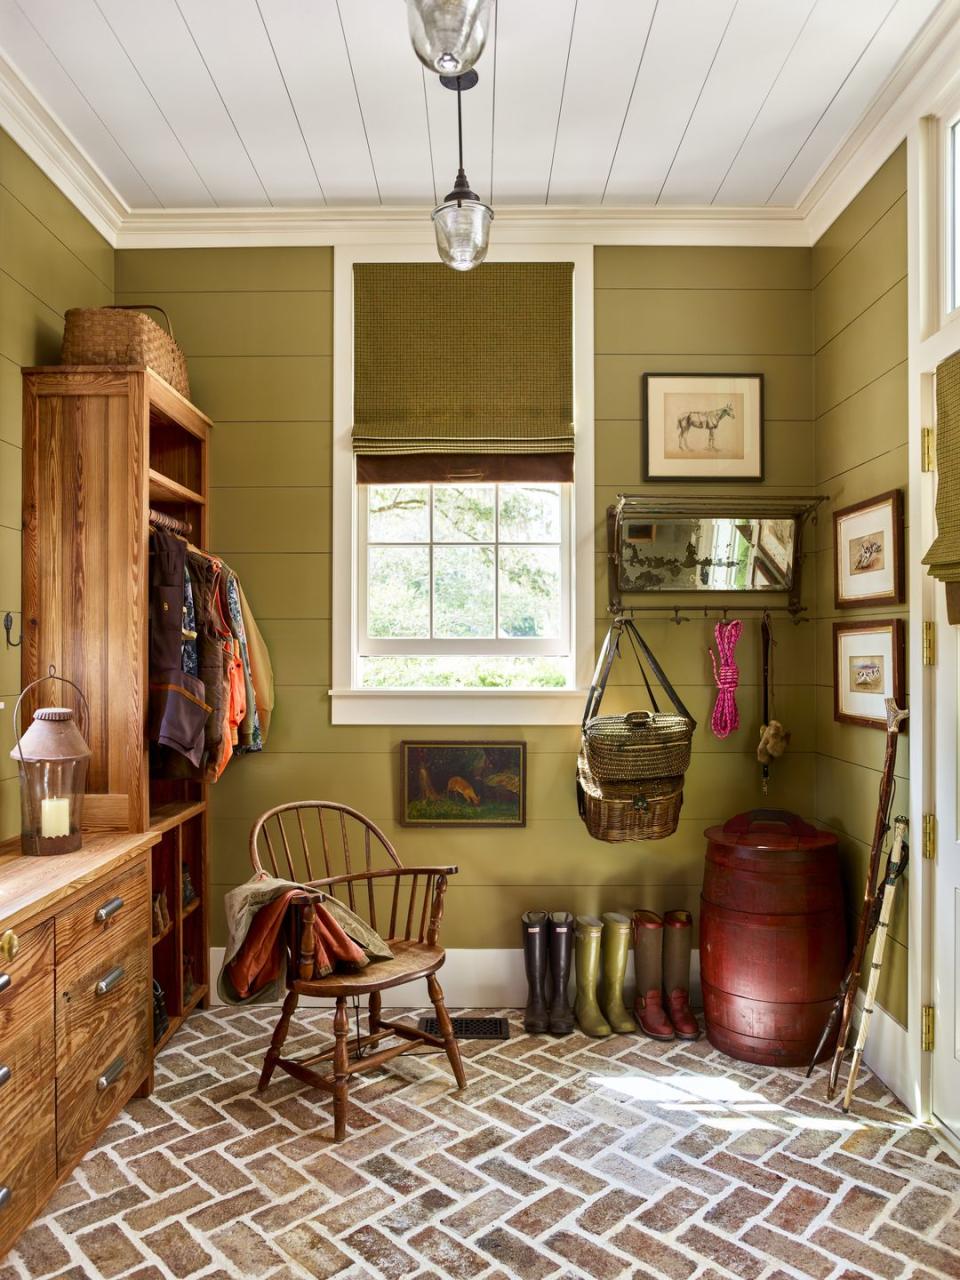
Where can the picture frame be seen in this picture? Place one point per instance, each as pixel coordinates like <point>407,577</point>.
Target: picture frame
<point>463,783</point>
<point>868,557</point>
<point>868,668</point>
<point>703,426</point>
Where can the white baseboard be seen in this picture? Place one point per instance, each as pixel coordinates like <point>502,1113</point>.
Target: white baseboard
<point>475,978</point>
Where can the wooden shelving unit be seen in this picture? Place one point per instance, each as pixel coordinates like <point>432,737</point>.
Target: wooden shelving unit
<point>102,446</point>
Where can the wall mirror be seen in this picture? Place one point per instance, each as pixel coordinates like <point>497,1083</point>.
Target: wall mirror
<point>706,545</point>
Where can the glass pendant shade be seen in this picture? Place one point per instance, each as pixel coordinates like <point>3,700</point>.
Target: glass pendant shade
<point>448,36</point>
<point>53,759</point>
<point>462,227</point>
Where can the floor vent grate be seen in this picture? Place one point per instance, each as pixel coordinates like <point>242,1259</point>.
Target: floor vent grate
<point>470,1028</point>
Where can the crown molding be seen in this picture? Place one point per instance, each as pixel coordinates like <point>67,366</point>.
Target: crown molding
<point>922,78</point>
<point>923,75</point>
<point>58,155</point>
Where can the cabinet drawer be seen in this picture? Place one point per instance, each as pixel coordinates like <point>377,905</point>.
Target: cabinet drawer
<point>28,1164</point>
<point>101,996</point>
<point>34,957</point>
<point>110,914</point>
<point>93,1089</point>
<point>26,1047</point>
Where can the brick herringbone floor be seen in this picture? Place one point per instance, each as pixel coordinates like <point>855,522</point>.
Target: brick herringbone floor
<point>563,1158</point>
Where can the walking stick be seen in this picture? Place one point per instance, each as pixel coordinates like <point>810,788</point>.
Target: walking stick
<point>848,991</point>
<point>895,866</point>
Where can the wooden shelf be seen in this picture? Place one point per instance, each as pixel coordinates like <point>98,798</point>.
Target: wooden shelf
<point>163,489</point>
<point>167,816</point>
<point>196,995</point>
<point>189,909</point>
<point>159,937</point>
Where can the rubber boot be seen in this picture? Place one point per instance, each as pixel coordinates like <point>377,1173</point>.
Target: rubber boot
<point>535,1017</point>
<point>648,957</point>
<point>677,942</point>
<point>560,943</point>
<point>587,947</point>
<point>615,950</point>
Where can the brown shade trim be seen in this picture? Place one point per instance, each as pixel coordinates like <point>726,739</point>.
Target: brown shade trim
<point>441,468</point>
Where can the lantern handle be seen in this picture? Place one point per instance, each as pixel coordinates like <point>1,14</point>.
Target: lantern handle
<point>51,675</point>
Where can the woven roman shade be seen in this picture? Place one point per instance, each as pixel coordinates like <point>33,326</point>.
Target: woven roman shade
<point>943,558</point>
<point>463,375</point>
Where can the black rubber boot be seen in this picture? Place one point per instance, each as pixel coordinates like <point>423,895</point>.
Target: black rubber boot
<point>535,1018</point>
<point>560,934</point>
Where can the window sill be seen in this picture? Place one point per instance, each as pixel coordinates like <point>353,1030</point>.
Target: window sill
<point>457,706</point>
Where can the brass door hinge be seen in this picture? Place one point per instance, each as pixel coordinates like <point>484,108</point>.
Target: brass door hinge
<point>930,835</point>
<point>929,644</point>
<point>928,450</point>
<point>926,1028</point>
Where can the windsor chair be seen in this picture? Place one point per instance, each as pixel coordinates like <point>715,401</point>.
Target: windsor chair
<point>403,904</point>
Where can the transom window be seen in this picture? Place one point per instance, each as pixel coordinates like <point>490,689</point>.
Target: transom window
<point>465,586</point>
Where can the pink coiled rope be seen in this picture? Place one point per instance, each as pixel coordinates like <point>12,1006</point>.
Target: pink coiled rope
<point>726,675</point>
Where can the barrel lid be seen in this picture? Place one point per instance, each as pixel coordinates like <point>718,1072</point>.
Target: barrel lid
<point>769,829</point>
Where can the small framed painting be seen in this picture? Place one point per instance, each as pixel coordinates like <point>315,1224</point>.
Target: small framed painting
<point>867,669</point>
<point>463,784</point>
<point>703,426</point>
<point>868,552</point>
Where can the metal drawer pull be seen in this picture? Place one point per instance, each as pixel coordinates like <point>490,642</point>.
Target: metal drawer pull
<point>4,1076</point>
<point>107,910</point>
<point>4,981</point>
<point>109,980</point>
<point>4,1197</point>
<point>110,1075</point>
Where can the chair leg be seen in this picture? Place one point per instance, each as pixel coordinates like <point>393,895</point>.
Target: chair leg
<point>374,1012</point>
<point>341,1060</point>
<point>276,1044</point>
<point>446,1031</point>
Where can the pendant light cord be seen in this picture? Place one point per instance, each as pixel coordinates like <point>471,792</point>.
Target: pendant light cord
<point>459,134</point>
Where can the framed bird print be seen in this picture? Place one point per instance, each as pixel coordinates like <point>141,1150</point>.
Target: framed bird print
<point>868,552</point>
<point>703,426</point>
<point>868,661</point>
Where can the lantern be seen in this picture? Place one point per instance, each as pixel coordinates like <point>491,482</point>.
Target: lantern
<point>53,759</point>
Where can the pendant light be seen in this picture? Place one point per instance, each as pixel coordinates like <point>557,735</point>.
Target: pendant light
<point>448,35</point>
<point>462,222</point>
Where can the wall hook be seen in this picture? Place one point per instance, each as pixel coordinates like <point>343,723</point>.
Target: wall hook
<point>8,627</point>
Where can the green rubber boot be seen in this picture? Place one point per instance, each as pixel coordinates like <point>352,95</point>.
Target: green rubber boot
<point>615,950</point>
<point>587,955</point>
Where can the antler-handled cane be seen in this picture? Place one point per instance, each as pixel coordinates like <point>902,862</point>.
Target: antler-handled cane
<point>848,992</point>
<point>895,866</point>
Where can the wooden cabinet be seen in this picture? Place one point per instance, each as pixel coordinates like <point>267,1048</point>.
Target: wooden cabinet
<point>102,447</point>
<point>75,1009</point>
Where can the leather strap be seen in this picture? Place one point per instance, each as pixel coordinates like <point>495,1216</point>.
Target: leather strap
<point>609,651</point>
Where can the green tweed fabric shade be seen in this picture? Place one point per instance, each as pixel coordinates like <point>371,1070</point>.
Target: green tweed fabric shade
<point>449,362</point>
<point>943,557</point>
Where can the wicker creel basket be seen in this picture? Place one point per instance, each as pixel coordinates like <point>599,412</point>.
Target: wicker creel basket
<point>621,811</point>
<point>124,335</point>
<point>641,744</point>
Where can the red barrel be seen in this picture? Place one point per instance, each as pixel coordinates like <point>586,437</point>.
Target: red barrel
<point>773,944</point>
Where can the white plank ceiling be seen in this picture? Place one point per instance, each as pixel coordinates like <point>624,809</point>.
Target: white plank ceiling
<point>194,104</point>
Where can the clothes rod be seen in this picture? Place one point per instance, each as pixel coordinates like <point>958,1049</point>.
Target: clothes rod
<point>687,613</point>
<point>161,520</point>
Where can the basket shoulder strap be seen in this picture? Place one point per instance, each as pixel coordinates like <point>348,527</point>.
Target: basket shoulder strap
<point>658,671</point>
<point>142,306</point>
<point>608,652</point>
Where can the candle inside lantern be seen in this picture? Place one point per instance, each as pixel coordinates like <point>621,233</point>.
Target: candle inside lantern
<point>55,817</point>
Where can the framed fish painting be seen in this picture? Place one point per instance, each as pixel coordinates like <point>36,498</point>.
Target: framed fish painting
<point>868,664</point>
<point>463,784</point>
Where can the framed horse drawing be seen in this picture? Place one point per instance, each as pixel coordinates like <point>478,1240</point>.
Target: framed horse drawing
<point>703,426</point>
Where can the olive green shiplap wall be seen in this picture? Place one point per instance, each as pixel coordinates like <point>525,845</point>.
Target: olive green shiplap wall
<point>860,329</point>
<point>51,259</point>
<point>256,325</point>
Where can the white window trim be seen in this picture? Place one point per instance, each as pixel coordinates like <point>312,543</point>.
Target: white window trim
<point>351,705</point>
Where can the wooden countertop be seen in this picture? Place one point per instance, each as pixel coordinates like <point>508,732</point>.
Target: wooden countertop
<point>31,886</point>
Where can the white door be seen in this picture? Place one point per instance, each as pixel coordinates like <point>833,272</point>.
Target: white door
<point>946,873</point>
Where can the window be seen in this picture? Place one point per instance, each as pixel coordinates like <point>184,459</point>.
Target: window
<point>465,586</point>
<point>954,216</point>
